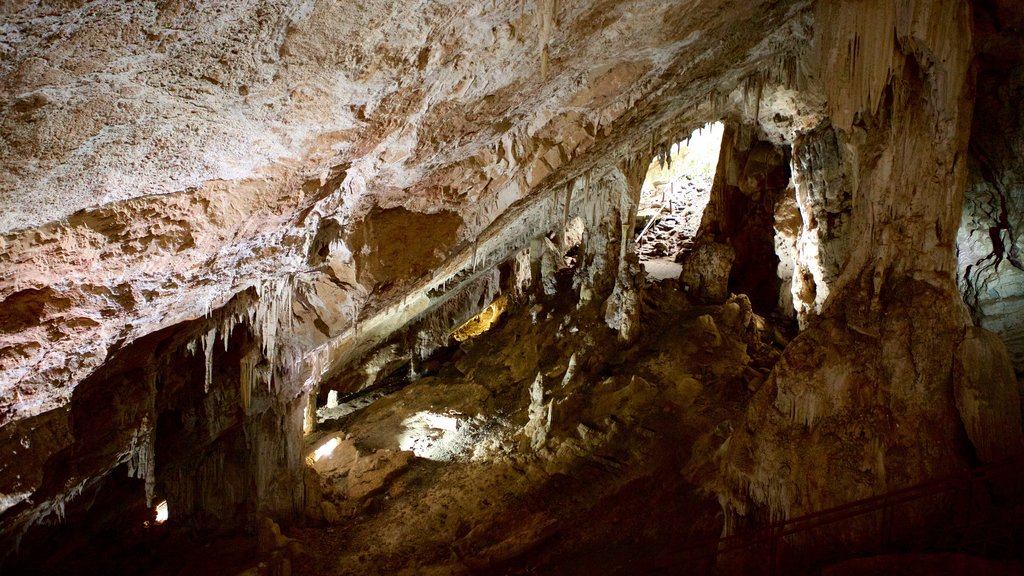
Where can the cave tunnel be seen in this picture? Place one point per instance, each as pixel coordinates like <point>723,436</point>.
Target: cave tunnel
<point>528,287</point>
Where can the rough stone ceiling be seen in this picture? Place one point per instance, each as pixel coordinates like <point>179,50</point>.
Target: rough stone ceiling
<point>111,101</point>
<point>160,158</point>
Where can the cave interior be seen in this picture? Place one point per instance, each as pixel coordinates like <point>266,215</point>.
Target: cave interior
<point>512,287</point>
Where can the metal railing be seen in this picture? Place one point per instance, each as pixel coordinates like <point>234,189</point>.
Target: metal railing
<point>978,511</point>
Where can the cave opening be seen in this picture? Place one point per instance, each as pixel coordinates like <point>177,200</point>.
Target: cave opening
<point>675,193</point>
<point>162,514</point>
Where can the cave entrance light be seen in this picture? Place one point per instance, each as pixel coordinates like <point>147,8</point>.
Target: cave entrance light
<point>673,199</point>
<point>161,512</point>
<point>482,322</point>
<point>451,436</point>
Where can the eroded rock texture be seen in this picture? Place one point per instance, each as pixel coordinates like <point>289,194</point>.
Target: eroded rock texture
<point>439,108</point>
<point>843,392</point>
<point>990,245</point>
<point>751,178</point>
<point>817,243</point>
<point>236,232</point>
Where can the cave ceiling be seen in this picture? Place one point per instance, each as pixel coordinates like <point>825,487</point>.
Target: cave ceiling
<point>160,158</point>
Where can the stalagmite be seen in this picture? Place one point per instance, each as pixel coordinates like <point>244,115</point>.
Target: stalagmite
<point>570,371</point>
<point>539,423</point>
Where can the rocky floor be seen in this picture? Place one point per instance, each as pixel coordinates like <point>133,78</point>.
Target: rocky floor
<point>667,222</point>
<point>541,447</point>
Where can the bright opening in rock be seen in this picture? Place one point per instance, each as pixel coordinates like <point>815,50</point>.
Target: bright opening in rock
<point>326,449</point>
<point>161,512</point>
<point>482,322</point>
<point>672,200</point>
<point>448,437</point>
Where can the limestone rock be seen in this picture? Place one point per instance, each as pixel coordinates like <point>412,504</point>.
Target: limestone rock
<point>214,214</point>
<point>823,197</point>
<point>370,474</point>
<point>339,477</point>
<point>539,424</point>
<point>988,397</point>
<point>990,242</point>
<point>706,271</point>
<point>752,175</point>
<point>827,403</point>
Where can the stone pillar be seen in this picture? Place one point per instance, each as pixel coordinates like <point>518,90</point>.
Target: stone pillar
<point>735,246</point>
<point>821,175</point>
<point>861,402</point>
<point>622,308</point>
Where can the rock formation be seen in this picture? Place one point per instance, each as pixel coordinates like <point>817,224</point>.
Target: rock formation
<point>238,241</point>
<point>901,106</point>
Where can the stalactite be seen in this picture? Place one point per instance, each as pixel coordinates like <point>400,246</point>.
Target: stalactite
<point>208,341</point>
<point>142,462</point>
<point>595,202</point>
<point>150,464</point>
<point>753,90</point>
<point>271,313</point>
<point>228,326</point>
<point>565,216</point>
<point>546,21</point>
<point>858,76</point>
<point>247,377</point>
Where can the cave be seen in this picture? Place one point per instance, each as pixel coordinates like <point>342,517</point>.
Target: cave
<point>675,193</point>
<point>512,287</point>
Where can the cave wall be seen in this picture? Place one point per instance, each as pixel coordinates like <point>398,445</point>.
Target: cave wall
<point>219,149</point>
<point>820,244</point>
<point>198,418</point>
<point>865,399</point>
<point>990,243</point>
<point>751,177</point>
